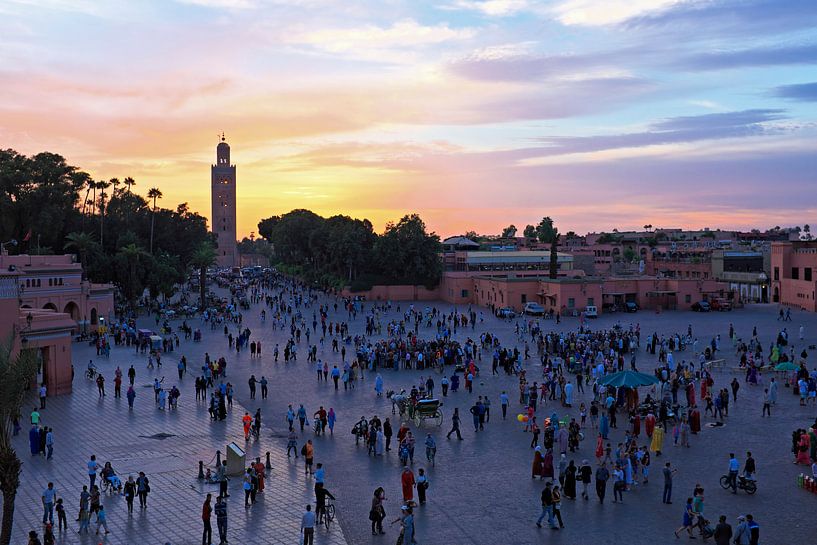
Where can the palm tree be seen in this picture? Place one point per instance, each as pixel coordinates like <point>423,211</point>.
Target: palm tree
<point>132,255</point>
<point>88,186</point>
<point>94,186</point>
<point>103,185</point>
<point>154,194</point>
<point>16,373</point>
<point>203,257</point>
<point>129,183</point>
<point>82,243</point>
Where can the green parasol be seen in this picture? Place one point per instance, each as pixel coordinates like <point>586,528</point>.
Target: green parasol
<point>628,379</point>
<point>786,366</point>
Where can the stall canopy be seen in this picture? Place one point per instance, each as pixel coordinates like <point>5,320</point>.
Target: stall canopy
<point>628,379</point>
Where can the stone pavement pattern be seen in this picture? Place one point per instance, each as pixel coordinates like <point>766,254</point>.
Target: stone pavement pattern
<point>481,491</point>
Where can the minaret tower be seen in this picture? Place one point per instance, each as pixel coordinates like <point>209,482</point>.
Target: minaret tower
<point>222,194</point>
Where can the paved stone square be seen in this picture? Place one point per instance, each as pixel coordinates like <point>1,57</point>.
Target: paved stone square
<point>481,491</point>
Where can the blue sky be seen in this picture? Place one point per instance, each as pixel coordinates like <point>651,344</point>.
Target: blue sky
<point>475,114</point>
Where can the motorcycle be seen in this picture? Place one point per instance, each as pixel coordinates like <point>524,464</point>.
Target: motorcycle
<point>748,485</point>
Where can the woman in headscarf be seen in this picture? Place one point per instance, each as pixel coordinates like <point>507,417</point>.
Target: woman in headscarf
<point>803,449</point>
<point>34,440</point>
<point>547,464</point>
<point>649,424</point>
<point>570,481</point>
<point>538,468</point>
<point>604,425</point>
<point>407,483</point>
<point>562,436</point>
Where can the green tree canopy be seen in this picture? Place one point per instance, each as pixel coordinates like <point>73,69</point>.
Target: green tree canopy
<point>340,249</point>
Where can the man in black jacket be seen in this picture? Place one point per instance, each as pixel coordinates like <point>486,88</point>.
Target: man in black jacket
<point>723,532</point>
<point>547,508</point>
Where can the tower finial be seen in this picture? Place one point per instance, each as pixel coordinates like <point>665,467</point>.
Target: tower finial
<point>222,136</point>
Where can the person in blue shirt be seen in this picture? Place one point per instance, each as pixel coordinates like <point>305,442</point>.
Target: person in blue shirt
<point>49,498</point>
<point>431,448</point>
<point>101,520</point>
<point>734,469</point>
<point>307,526</point>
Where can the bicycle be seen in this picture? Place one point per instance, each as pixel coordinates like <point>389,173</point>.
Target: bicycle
<point>329,513</point>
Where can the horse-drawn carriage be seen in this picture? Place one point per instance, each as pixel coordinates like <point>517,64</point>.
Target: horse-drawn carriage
<point>427,409</point>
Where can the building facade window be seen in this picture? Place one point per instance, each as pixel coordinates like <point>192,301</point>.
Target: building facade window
<point>571,302</point>
<point>777,273</point>
<point>795,273</point>
<point>807,274</point>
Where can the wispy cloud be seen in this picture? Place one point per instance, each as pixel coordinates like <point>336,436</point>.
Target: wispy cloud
<point>499,8</point>
<point>511,63</point>
<point>405,33</point>
<point>805,92</point>
<point>706,19</point>
<point>677,130</point>
<point>758,56</point>
<point>607,12</point>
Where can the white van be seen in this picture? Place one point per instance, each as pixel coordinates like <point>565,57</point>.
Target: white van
<point>591,311</point>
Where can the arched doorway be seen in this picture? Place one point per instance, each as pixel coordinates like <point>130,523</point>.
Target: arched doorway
<point>94,317</point>
<point>50,306</point>
<point>776,297</point>
<point>72,310</point>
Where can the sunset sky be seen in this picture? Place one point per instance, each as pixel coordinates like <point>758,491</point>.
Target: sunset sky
<point>476,114</point>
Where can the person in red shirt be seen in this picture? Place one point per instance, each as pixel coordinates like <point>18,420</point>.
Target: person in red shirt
<point>259,468</point>
<point>247,420</point>
<point>207,533</point>
<point>407,481</point>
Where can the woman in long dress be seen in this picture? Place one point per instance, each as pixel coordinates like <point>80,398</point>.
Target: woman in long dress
<point>562,436</point>
<point>649,424</point>
<point>570,481</point>
<point>604,425</point>
<point>547,464</point>
<point>599,448</point>
<point>380,443</point>
<point>657,443</point>
<point>684,431</point>
<point>803,449</point>
<point>695,420</point>
<point>538,468</point>
<point>407,483</point>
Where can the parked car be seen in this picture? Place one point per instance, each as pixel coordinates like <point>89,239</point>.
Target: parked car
<point>721,304</point>
<point>533,309</point>
<point>631,306</point>
<point>701,306</point>
<point>505,312</point>
<point>590,311</point>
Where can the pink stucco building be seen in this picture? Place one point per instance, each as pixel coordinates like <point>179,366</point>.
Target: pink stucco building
<point>45,332</point>
<point>54,282</point>
<point>794,274</point>
<point>44,302</point>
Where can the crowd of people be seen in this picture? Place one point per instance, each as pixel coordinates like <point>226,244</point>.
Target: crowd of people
<point>562,401</point>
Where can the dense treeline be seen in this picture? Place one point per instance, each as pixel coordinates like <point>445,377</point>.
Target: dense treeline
<point>50,207</point>
<point>340,250</point>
